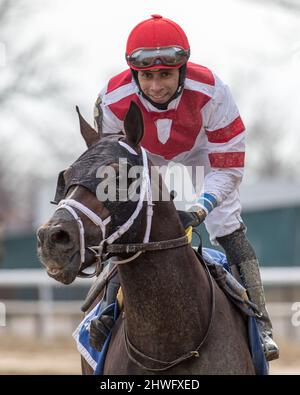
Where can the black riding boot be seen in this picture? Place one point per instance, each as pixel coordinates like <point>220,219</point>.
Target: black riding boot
<point>240,253</point>
<point>101,326</point>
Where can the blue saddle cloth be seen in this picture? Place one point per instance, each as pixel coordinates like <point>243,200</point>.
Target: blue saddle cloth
<point>260,363</point>
<point>96,359</point>
<point>217,256</point>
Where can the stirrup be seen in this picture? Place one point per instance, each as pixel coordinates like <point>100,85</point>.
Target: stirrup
<point>270,348</point>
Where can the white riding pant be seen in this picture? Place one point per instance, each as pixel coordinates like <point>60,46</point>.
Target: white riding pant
<point>225,218</point>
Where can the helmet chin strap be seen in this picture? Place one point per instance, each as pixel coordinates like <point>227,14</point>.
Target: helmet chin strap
<point>163,106</point>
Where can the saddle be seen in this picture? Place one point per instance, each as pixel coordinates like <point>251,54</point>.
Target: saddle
<point>236,293</point>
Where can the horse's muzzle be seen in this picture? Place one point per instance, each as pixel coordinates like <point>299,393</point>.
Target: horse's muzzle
<point>58,253</point>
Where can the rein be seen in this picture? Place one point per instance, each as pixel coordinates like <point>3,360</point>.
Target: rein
<point>143,247</point>
<point>102,281</point>
<point>165,365</point>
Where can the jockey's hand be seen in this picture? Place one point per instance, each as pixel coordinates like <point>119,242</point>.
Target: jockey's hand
<point>204,205</point>
<point>199,212</point>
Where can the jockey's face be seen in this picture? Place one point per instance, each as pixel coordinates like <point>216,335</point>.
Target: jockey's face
<point>159,85</point>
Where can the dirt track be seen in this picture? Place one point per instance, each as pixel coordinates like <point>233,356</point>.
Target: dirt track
<point>59,356</point>
<point>26,356</point>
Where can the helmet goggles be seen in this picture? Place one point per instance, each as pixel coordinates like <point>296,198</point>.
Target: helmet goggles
<point>147,58</point>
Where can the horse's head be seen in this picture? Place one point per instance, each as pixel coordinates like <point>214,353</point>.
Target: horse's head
<point>91,201</point>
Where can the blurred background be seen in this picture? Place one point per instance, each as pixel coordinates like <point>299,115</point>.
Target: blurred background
<point>55,55</point>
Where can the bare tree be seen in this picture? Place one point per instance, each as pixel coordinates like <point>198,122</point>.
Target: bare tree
<point>266,87</point>
<point>27,75</point>
<point>24,72</point>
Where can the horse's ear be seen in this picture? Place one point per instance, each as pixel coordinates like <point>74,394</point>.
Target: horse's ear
<point>134,125</point>
<point>88,133</point>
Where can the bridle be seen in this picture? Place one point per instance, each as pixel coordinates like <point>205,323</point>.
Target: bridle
<point>107,246</point>
<point>71,204</point>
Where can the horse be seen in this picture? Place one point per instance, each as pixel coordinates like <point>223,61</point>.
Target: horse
<point>175,319</point>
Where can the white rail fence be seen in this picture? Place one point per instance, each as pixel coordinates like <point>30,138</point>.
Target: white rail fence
<point>43,315</point>
<point>48,314</point>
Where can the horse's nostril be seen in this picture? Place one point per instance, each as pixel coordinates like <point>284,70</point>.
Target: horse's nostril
<point>60,237</point>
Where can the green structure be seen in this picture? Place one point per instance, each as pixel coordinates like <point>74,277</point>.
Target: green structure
<point>271,214</point>
<point>275,234</point>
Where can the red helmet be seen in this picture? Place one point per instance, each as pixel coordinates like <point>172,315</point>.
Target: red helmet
<point>157,43</point>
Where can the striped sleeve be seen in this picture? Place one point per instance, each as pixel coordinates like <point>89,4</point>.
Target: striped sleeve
<point>104,119</point>
<point>225,136</point>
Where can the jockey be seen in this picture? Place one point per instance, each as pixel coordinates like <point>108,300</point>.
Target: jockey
<point>190,118</point>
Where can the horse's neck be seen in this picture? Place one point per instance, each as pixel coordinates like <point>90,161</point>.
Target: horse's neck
<point>166,293</point>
